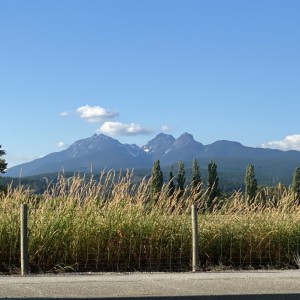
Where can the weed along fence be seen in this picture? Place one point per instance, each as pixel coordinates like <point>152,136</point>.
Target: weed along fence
<point>148,258</point>
<point>107,226</point>
<point>125,250</point>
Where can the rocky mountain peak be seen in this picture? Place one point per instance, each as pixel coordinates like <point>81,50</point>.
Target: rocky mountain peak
<point>90,144</point>
<point>102,151</point>
<point>184,140</point>
<point>159,145</point>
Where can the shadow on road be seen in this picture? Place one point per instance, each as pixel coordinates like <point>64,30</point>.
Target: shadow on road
<point>221,297</point>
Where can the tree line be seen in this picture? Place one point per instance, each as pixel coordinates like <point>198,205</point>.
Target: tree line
<point>178,183</point>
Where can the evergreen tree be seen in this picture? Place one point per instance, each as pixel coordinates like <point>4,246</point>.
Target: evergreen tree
<point>296,184</point>
<point>250,183</point>
<point>3,164</point>
<point>196,177</point>
<point>156,178</point>
<point>213,182</point>
<point>180,177</point>
<point>171,185</point>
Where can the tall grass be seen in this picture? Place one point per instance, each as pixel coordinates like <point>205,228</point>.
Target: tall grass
<point>113,224</point>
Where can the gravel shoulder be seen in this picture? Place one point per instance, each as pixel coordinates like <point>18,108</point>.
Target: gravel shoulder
<point>209,285</point>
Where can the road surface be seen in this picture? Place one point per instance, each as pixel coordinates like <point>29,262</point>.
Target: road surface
<point>247,285</point>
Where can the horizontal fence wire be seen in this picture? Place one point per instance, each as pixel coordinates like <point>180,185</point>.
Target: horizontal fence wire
<point>250,253</point>
<point>120,252</point>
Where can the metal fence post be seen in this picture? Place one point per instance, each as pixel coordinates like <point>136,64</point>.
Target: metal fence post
<point>195,255</point>
<point>24,240</point>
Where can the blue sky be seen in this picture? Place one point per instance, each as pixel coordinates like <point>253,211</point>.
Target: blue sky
<point>133,68</point>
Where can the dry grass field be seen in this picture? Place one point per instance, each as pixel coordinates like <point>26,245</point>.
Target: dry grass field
<point>112,224</point>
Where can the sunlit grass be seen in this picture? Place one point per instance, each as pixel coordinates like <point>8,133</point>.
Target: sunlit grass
<point>112,224</point>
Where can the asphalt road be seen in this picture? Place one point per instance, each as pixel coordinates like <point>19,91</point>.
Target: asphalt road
<point>219,285</point>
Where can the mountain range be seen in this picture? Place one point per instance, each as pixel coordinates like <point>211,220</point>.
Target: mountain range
<point>100,152</point>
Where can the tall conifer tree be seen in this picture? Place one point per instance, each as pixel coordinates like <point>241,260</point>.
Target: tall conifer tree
<point>3,164</point>
<point>296,184</point>
<point>250,183</point>
<point>156,178</point>
<point>213,182</point>
<point>196,177</point>
<point>171,185</point>
<point>3,167</point>
<point>181,177</point>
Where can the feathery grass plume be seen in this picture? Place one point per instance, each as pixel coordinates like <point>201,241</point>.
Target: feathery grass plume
<point>109,224</point>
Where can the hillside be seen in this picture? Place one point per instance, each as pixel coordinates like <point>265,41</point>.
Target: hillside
<point>100,152</point>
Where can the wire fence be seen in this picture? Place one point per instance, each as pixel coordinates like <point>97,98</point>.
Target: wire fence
<point>122,250</point>
<point>237,252</point>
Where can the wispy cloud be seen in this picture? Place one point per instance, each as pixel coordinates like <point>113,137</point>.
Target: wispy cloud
<point>165,128</point>
<point>64,113</point>
<point>98,114</point>
<point>121,129</point>
<point>95,114</point>
<point>62,145</point>
<point>290,142</point>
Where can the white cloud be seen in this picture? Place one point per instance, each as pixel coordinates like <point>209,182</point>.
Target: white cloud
<point>62,145</point>
<point>164,128</point>
<point>64,113</point>
<point>290,142</point>
<point>95,113</point>
<point>121,129</point>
